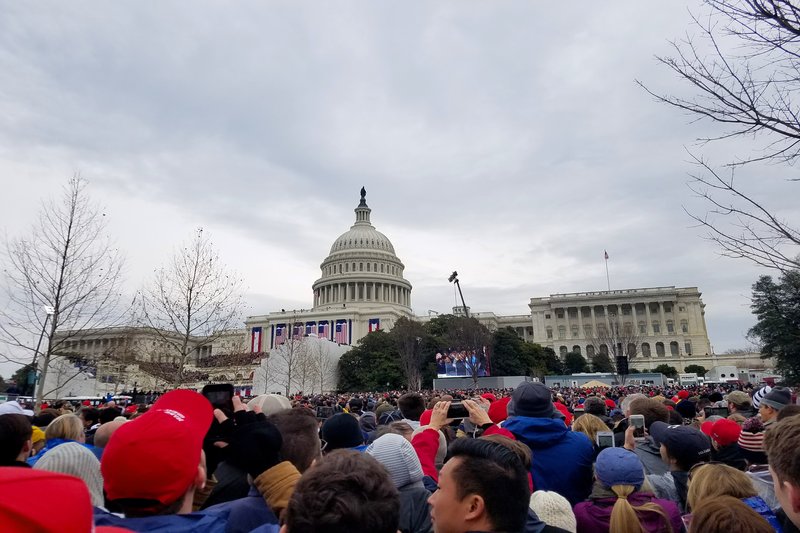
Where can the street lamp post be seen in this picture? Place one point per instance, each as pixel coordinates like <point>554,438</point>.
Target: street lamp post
<point>50,311</point>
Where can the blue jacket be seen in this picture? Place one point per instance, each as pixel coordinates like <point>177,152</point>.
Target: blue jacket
<point>52,443</point>
<point>245,514</point>
<point>201,522</point>
<point>562,459</point>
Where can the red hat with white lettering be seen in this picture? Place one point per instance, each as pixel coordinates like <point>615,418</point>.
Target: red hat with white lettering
<point>155,456</point>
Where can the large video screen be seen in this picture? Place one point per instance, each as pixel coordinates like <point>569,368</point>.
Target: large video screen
<point>462,363</point>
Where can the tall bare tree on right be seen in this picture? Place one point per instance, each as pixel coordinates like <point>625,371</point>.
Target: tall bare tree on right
<point>744,71</point>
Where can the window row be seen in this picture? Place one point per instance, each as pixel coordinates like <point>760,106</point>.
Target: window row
<point>359,267</point>
<point>627,329</point>
<point>630,350</point>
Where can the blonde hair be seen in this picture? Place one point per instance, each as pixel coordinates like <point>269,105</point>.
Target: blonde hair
<point>710,481</point>
<point>624,517</point>
<point>67,426</point>
<point>589,425</point>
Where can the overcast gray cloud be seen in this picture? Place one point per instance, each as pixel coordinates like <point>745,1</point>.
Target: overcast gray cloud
<point>506,140</point>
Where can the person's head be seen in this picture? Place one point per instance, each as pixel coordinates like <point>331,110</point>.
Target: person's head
<point>738,401</point>
<point>652,410</point>
<point>397,455</point>
<point>589,425</point>
<point>108,414</point>
<point>533,400</point>
<point>342,431</point>
<point>726,514</point>
<point>347,492</point>
<point>781,443</point>
<point>709,481</point>
<point>482,486</point>
<point>681,447</point>
<point>153,464</point>
<point>411,405</point>
<point>521,449</point>
<point>773,402</point>
<point>355,405</point>
<point>751,441</point>
<point>723,432</point>
<point>789,410</point>
<point>300,433</point>
<point>270,404</point>
<point>74,459</point>
<point>759,395</point>
<point>15,438</point>
<point>622,472</point>
<point>104,432</point>
<point>401,428</point>
<point>89,416</point>
<point>67,427</point>
<point>625,405</point>
<point>553,509</point>
<point>595,406</point>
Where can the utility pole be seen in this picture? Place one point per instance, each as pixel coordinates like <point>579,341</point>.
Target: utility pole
<point>454,279</point>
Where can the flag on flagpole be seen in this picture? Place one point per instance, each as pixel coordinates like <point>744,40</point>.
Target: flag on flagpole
<point>606,254</point>
<point>255,340</point>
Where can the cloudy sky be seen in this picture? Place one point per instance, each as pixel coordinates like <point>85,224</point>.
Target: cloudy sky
<point>506,140</point>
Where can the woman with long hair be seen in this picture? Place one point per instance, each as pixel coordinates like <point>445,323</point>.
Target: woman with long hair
<point>619,504</point>
<point>590,425</point>
<point>711,481</point>
<point>725,515</point>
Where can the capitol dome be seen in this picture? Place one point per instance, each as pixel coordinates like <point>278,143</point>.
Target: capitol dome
<point>362,268</point>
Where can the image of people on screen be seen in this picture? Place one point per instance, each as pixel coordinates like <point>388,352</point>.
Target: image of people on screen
<point>461,363</point>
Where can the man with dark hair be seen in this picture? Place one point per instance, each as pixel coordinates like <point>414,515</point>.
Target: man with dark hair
<point>347,492</point>
<point>483,486</point>
<point>15,440</point>
<point>411,405</point>
<point>108,414</point>
<point>90,416</point>
<point>300,432</point>
<point>781,442</point>
<point>596,406</point>
<point>648,451</point>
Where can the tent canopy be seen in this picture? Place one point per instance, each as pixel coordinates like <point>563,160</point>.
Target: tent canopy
<point>594,383</point>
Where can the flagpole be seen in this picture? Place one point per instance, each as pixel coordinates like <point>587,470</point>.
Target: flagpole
<point>608,279</point>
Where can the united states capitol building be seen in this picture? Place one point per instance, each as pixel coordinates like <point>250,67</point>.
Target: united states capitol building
<point>362,288</point>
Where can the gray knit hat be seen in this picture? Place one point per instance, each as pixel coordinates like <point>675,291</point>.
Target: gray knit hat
<point>76,460</point>
<point>777,398</point>
<point>398,456</point>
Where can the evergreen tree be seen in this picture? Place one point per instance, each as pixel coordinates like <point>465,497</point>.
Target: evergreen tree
<point>777,308</point>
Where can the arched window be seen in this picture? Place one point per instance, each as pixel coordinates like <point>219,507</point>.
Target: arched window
<point>603,349</point>
<point>368,267</point>
<point>549,333</point>
<point>590,351</point>
<point>660,349</point>
<point>673,348</point>
<point>631,350</point>
<point>576,349</point>
<point>645,349</point>
<point>562,350</point>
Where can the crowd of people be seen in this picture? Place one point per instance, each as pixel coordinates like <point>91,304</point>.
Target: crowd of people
<point>531,459</point>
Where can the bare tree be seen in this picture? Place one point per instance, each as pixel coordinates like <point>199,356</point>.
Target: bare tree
<point>408,335</point>
<point>191,302</point>
<point>63,276</point>
<point>287,363</point>
<point>744,69</point>
<point>324,366</point>
<point>616,340</point>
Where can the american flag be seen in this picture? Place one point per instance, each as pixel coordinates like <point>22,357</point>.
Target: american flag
<point>341,332</point>
<point>322,330</point>
<point>280,334</point>
<point>374,324</point>
<point>310,327</point>
<point>297,331</point>
<point>255,340</point>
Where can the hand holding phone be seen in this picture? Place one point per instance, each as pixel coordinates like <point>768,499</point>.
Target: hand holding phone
<point>457,410</point>
<point>604,439</point>
<point>637,421</point>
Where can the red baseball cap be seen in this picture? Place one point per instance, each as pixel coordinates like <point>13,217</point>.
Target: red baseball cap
<point>683,394</point>
<point>489,396</point>
<point>723,432</point>
<point>21,508</point>
<point>155,456</point>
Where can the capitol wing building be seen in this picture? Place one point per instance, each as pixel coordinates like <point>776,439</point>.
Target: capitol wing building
<point>362,289</point>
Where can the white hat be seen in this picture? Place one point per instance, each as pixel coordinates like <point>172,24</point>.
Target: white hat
<point>554,510</point>
<point>759,395</point>
<point>76,460</point>
<point>270,403</point>
<point>14,408</point>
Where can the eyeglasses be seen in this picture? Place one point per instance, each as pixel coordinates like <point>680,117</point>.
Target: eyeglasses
<point>322,445</point>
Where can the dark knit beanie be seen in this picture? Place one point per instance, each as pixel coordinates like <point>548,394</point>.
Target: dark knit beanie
<point>777,398</point>
<point>532,399</point>
<point>342,431</point>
